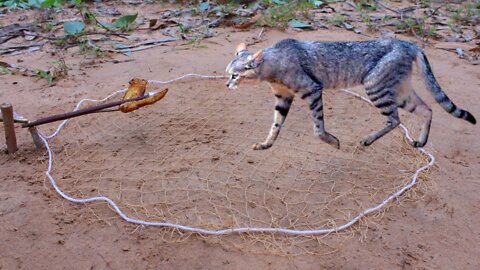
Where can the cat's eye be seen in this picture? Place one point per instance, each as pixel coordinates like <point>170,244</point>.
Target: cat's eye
<point>248,66</point>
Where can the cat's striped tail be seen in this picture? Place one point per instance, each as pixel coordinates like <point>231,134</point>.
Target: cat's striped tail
<point>440,96</point>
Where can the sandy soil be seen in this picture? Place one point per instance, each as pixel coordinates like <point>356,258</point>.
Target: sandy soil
<point>38,229</point>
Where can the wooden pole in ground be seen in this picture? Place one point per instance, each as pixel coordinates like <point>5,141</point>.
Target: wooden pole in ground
<point>11,139</point>
<point>36,137</point>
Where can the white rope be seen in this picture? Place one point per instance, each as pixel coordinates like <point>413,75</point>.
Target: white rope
<point>79,104</point>
<point>188,75</point>
<point>231,230</point>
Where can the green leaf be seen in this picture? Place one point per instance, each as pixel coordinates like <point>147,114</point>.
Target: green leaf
<point>51,3</point>
<point>204,6</point>
<point>110,26</point>
<point>73,28</point>
<point>34,3</point>
<point>219,8</point>
<point>299,24</point>
<point>5,71</point>
<point>317,3</point>
<point>11,4</point>
<point>43,74</point>
<point>126,22</point>
<point>279,2</point>
<point>50,79</point>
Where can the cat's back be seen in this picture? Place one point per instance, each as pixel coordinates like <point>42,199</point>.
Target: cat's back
<point>333,53</point>
<point>340,46</point>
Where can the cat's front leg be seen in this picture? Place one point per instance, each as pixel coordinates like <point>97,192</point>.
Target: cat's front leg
<point>283,101</point>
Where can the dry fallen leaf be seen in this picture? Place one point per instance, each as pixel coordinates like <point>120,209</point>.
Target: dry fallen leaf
<point>132,106</point>
<point>136,88</point>
<point>252,21</point>
<point>475,49</point>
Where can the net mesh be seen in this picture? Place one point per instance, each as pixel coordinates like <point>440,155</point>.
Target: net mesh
<point>189,160</point>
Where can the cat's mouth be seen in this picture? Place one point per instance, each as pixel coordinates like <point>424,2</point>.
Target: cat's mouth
<point>233,80</point>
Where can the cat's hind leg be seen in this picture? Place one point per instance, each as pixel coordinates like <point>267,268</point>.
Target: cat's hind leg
<point>388,107</point>
<point>381,85</point>
<point>313,96</point>
<point>409,100</point>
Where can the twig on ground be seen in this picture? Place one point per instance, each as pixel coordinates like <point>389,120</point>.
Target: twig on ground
<point>132,49</point>
<point>11,31</point>
<point>260,35</point>
<point>351,4</point>
<point>29,50</point>
<point>459,52</point>
<point>148,42</point>
<point>18,48</point>
<point>122,35</point>
<point>386,7</point>
<point>116,61</point>
<point>436,10</point>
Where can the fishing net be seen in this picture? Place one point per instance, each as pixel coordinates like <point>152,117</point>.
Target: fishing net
<point>189,160</point>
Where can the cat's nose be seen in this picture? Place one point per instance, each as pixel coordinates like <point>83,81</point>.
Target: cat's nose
<point>229,82</point>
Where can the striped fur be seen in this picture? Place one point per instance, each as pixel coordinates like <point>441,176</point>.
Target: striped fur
<point>440,96</point>
<point>383,67</point>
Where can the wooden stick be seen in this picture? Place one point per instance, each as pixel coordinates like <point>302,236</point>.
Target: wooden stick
<point>36,137</point>
<point>149,42</point>
<point>63,116</point>
<point>11,139</point>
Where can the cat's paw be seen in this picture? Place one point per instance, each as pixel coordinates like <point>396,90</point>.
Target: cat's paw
<point>417,144</point>
<point>330,139</point>
<point>261,146</point>
<point>335,143</point>
<point>366,141</point>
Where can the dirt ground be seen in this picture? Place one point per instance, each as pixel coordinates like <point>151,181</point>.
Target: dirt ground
<point>39,229</point>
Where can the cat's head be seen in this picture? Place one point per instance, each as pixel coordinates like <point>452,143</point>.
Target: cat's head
<point>243,65</point>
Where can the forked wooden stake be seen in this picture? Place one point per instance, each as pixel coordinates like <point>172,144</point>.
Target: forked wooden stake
<point>93,109</point>
<point>7,116</point>
<point>36,137</point>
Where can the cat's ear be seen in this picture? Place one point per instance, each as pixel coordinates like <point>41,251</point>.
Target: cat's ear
<point>257,57</point>
<point>241,47</point>
<point>254,60</point>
